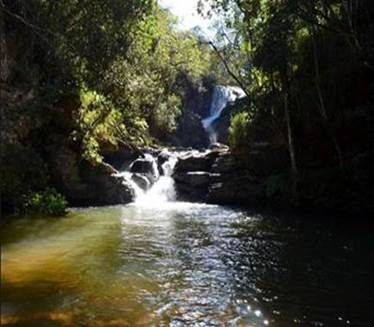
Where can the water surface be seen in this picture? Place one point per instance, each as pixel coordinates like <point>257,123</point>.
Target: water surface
<point>183,264</point>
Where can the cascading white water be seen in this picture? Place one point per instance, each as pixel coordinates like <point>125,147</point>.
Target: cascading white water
<point>153,160</point>
<point>138,192</point>
<point>162,190</point>
<point>222,95</point>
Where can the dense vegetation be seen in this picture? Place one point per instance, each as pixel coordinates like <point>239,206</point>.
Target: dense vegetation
<point>307,67</point>
<point>83,76</point>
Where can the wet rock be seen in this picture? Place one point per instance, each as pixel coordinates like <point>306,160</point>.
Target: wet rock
<point>142,166</point>
<point>219,177</point>
<point>194,179</point>
<point>219,147</point>
<point>141,181</point>
<point>195,162</point>
<point>146,167</point>
<point>226,163</point>
<point>120,158</point>
<point>163,157</point>
<point>193,175</point>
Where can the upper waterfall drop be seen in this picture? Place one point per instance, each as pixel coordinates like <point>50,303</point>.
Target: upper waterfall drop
<point>222,95</point>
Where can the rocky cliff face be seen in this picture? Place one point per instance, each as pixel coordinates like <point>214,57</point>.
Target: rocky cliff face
<point>196,101</point>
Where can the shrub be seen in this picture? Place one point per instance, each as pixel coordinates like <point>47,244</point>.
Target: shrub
<point>48,202</point>
<point>239,132</point>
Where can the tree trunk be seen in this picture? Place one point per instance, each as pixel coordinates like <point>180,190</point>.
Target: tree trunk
<point>4,63</point>
<point>291,148</point>
<point>290,137</point>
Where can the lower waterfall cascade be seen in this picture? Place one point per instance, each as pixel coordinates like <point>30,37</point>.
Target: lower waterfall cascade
<point>162,189</point>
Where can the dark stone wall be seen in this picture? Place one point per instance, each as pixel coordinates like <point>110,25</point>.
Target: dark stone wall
<point>197,96</point>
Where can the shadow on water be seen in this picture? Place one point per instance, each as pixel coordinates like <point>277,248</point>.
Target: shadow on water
<point>184,264</point>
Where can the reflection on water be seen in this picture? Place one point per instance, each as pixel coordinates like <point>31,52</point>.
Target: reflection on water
<point>185,265</point>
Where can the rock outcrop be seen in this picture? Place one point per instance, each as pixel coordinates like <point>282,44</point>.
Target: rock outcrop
<point>196,99</point>
<point>105,187</point>
<point>216,176</point>
<point>86,185</point>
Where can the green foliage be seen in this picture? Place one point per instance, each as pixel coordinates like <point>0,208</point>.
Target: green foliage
<point>141,85</point>
<point>294,58</point>
<point>88,75</point>
<point>48,202</point>
<point>239,132</point>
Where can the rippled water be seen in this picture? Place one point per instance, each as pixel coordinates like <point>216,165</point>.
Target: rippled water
<point>186,265</point>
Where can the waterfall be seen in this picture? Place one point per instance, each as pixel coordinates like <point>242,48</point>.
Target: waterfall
<point>138,192</point>
<point>222,95</point>
<point>162,190</point>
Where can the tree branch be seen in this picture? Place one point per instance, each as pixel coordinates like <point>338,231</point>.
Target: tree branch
<point>229,70</point>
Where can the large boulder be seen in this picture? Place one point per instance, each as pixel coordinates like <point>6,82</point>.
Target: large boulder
<point>120,158</point>
<point>142,166</point>
<point>226,163</point>
<point>162,157</point>
<point>219,147</point>
<point>86,185</point>
<point>196,179</point>
<point>192,186</point>
<point>196,161</point>
<point>217,176</point>
<point>193,175</point>
<point>146,167</point>
<point>106,187</point>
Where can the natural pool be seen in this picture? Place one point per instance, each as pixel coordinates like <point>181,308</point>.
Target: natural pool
<point>185,264</point>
